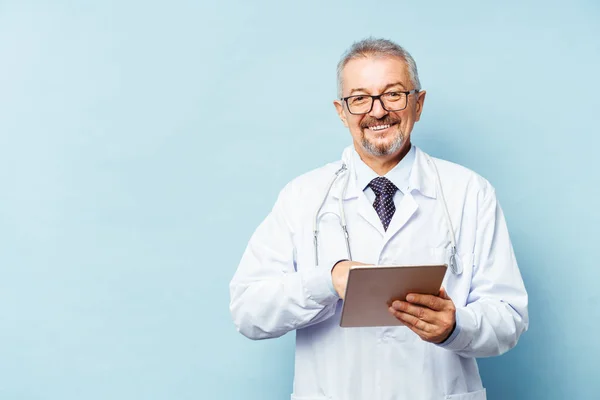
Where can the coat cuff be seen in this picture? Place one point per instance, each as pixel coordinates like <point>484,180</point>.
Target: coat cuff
<point>318,286</point>
<point>460,338</point>
<point>331,272</point>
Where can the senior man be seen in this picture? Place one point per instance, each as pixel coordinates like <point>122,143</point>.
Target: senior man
<point>394,199</point>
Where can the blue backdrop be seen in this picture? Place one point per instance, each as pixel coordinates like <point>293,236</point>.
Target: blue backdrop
<point>141,143</point>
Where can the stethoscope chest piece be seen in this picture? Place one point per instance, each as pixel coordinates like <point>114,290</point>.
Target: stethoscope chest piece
<point>454,262</point>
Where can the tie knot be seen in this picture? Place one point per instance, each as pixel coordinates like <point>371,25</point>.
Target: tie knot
<point>383,185</point>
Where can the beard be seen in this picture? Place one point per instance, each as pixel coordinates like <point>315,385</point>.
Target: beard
<point>381,149</point>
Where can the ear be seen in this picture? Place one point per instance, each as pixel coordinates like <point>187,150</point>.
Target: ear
<point>339,107</point>
<point>419,107</point>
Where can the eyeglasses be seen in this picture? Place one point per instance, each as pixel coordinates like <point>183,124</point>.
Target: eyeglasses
<point>390,101</point>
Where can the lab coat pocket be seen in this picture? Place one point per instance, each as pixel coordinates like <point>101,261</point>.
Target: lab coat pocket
<point>478,395</point>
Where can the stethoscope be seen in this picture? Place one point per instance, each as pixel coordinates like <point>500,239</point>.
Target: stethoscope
<point>342,217</point>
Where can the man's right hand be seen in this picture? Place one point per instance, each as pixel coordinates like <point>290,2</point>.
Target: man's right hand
<point>339,276</point>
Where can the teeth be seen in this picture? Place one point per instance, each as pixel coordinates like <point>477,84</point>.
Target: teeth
<point>379,127</point>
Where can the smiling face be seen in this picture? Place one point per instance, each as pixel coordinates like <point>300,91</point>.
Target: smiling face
<point>379,133</point>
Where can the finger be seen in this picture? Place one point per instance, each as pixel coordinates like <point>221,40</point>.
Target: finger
<point>432,302</point>
<point>393,312</point>
<point>422,334</point>
<point>422,313</point>
<point>444,294</point>
<point>412,322</point>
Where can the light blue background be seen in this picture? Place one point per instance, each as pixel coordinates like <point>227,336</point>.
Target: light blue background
<point>142,143</point>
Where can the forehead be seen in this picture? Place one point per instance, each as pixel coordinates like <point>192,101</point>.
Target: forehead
<point>374,74</point>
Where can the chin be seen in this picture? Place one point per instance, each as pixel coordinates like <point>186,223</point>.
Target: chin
<point>382,149</point>
<point>386,147</point>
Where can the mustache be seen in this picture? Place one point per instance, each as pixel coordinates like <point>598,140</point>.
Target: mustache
<point>386,120</point>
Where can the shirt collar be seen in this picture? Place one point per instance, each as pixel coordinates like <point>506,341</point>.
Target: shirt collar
<point>422,174</point>
<point>399,175</point>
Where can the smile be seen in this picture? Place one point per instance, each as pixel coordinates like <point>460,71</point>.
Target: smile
<point>377,128</point>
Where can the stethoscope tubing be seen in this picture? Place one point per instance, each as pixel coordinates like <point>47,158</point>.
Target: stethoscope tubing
<point>453,265</point>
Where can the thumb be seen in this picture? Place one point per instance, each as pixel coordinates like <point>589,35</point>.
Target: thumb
<point>444,294</point>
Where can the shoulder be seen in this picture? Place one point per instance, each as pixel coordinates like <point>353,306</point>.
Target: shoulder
<point>454,177</point>
<point>301,197</point>
<point>312,183</point>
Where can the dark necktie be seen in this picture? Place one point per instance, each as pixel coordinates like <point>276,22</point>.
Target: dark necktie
<point>384,199</point>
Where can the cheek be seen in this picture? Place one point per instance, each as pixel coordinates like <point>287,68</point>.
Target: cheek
<point>356,132</point>
<point>354,124</point>
<point>407,120</point>
<point>406,128</point>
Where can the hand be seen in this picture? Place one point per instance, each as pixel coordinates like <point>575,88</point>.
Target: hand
<point>339,276</point>
<point>433,318</point>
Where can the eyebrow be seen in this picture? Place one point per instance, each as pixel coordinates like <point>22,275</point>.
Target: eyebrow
<point>389,85</point>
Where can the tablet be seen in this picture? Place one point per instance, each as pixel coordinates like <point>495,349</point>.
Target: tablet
<point>372,289</point>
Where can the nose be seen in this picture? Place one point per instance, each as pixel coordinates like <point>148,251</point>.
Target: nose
<point>377,111</point>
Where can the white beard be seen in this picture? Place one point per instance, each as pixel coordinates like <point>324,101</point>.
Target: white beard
<point>383,150</point>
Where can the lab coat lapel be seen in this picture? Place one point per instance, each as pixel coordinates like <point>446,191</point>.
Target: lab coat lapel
<point>404,211</point>
<point>420,180</point>
<point>366,210</point>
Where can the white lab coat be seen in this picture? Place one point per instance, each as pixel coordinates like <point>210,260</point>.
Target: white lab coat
<point>277,287</point>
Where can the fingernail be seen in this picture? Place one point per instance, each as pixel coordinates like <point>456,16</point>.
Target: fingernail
<point>410,297</point>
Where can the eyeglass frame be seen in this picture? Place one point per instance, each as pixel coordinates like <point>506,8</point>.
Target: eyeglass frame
<point>378,97</point>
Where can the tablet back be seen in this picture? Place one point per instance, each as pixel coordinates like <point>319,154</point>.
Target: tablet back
<point>372,289</point>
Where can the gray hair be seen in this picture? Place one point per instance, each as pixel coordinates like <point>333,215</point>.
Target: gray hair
<point>372,47</point>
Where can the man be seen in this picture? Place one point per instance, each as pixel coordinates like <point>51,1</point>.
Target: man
<point>393,198</point>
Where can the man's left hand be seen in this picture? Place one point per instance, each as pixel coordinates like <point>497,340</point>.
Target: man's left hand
<point>433,318</point>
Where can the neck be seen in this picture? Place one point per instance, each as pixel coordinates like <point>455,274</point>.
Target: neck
<point>383,164</point>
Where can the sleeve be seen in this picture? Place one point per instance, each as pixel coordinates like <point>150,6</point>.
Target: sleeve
<point>270,296</point>
<point>496,312</point>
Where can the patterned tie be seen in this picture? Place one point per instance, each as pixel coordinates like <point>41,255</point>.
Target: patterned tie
<point>384,199</point>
